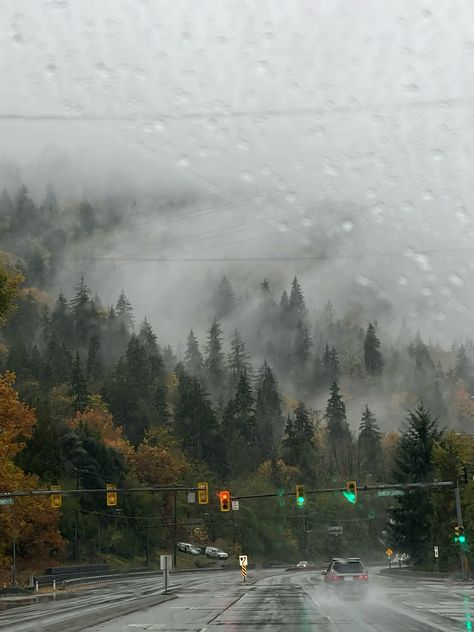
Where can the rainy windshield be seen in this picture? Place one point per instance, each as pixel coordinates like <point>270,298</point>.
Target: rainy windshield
<point>236,333</point>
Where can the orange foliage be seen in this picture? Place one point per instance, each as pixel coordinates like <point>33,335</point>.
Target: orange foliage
<point>36,523</point>
<point>16,419</point>
<point>98,419</point>
<point>159,460</point>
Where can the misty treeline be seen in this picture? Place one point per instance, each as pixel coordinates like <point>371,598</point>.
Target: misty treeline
<point>302,398</point>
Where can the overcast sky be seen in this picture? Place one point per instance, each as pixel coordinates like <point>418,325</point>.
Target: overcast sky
<point>337,130</point>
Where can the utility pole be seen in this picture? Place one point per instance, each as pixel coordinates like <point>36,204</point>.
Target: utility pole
<point>457,497</point>
<point>76,516</point>
<point>14,546</point>
<point>175,529</point>
<point>147,541</point>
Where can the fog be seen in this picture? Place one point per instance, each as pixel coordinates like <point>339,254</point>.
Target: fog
<point>330,140</point>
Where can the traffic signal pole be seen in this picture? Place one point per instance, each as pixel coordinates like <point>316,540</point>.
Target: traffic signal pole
<point>457,497</point>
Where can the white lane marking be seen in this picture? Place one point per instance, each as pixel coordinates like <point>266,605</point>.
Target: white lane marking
<point>330,619</point>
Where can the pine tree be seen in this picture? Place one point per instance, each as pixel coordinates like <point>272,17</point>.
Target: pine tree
<point>238,360</point>
<point>284,308</point>
<point>239,429</point>
<point>298,445</point>
<point>147,338</point>
<point>331,364</point>
<point>78,384</point>
<point>224,299</point>
<point>49,207</point>
<point>87,217</point>
<point>6,213</point>
<point>193,361</point>
<point>302,345</point>
<point>410,530</point>
<point>81,309</point>
<point>214,359</point>
<point>463,369</point>
<point>25,216</point>
<point>124,311</point>
<point>297,307</point>
<point>338,433</point>
<point>369,444</point>
<point>95,363</point>
<point>372,356</point>
<point>61,323</point>
<point>268,414</point>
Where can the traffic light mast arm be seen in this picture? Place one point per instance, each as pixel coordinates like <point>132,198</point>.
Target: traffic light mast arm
<point>364,488</point>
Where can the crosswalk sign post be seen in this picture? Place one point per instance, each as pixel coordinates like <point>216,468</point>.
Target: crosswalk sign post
<point>243,560</point>
<point>243,570</point>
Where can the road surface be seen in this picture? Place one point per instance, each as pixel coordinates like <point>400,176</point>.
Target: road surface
<point>289,602</point>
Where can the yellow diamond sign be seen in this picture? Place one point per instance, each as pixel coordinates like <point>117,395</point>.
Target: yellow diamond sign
<point>389,552</point>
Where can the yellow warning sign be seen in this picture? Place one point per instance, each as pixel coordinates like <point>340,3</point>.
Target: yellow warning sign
<point>389,552</point>
<point>243,570</point>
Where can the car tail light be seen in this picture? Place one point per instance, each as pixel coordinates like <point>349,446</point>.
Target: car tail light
<point>334,578</point>
<point>364,576</point>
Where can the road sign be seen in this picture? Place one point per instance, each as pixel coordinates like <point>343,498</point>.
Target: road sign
<point>243,560</point>
<point>166,562</point>
<point>436,552</point>
<point>243,570</point>
<point>6,501</point>
<point>235,505</point>
<point>335,530</point>
<point>390,492</point>
<point>191,498</point>
<point>389,552</point>
<point>111,495</point>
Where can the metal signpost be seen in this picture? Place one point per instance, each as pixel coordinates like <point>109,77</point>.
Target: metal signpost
<point>389,554</point>
<point>436,555</point>
<point>243,561</point>
<point>166,563</point>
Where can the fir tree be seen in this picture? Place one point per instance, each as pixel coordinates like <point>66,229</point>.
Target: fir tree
<point>297,307</point>
<point>368,443</point>
<point>193,361</point>
<point>268,414</point>
<point>298,445</point>
<point>338,433</point>
<point>410,530</point>
<point>238,360</point>
<point>78,384</point>
<point>224,300</point>
<point>124,311</point>
<point>463,369</point>
<point>214,358</point>
<point>372,356</point>
<point>81,309</point>
<point>239,428</point>
<point>95,363</point>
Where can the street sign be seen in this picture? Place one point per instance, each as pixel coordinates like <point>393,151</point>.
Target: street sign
<point>389,552</point>
<point>243,560</point>
<point>235,505</point>
<point>335,530</point>
<point>166,562</point>
<point>191,497</point>
<point>6,501</point>
<point>436,552</point>
<point>390,492</point>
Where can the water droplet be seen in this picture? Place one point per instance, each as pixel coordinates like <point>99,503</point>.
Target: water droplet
<point>247,176</point>
<point>456,280</point>
<point>402,280</point>
<point>283,227</point>
<point>427,195</point>
<point>437,155</point>
<point>50,70</point>
<point>407,207</point>
<point>347,225</point>
<point>307,221</point>
<point>262,67</point>
<point>427,291</point>
<point>371,194</point>
<point>363,280</point>
<point>184,161</point>
<point>290,197</point>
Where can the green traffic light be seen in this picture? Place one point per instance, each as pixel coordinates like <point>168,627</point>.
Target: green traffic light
<point>350,496</point>
<point>462,539</point>
<point>300,501</point>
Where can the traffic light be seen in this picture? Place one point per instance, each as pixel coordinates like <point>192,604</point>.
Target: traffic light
<point>300,496</point>
<point>459,535</point>
<point>56,499</point>
<point>203,493</point>
<point>224,499</point>
<point>111,495</point>
<point>351,492</point>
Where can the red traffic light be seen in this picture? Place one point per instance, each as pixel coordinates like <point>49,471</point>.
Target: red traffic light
<point>224,499</point>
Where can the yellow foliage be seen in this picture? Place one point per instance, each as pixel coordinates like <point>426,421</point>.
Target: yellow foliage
<point>159,460</point>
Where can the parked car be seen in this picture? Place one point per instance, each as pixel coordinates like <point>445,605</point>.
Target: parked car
<point>183,546</point>
<point>214,552</point>
<point>195,550</point>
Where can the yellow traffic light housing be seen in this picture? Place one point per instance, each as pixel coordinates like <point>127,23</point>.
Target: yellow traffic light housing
<point>111,495</point>
<point>56,499</point>
<point>203,493</point>
<point>224,500</point>
<point>351,492</point>
<point>300,496</point>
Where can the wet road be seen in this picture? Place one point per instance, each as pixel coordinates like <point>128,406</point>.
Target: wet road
<point>285,602</point>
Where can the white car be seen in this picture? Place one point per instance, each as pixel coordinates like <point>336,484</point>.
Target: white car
<point>212,551</point>
<point>184,546</point>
